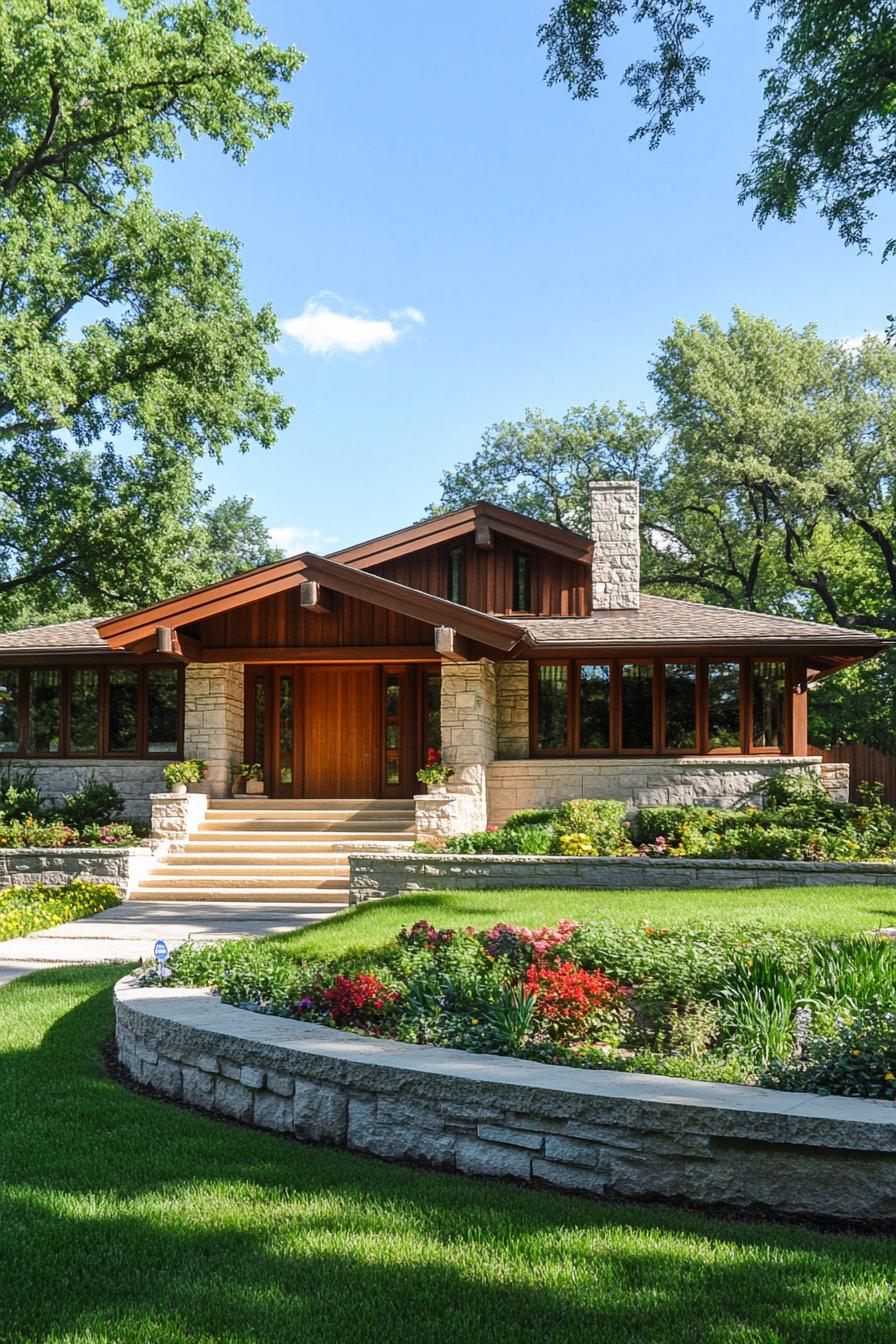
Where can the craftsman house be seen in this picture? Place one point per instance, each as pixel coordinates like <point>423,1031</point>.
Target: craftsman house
<point>524,652</point>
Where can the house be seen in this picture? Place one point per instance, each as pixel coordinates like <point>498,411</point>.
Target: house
<point>524,652</point>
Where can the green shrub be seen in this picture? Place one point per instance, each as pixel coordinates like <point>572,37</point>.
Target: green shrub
<point>857,1060</point>
<point>20,796</point>
<point>26,909</point>
<point>94,804</point>
<point>601,820</point>
<point>531,816</point>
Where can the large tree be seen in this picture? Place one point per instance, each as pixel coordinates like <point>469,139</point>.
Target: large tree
<point>827,133</point>
<point>768,475</point>
<point>128,349</point>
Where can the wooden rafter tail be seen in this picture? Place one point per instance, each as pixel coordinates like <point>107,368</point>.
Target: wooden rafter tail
<point>450,645</point>
<point>313,598</point>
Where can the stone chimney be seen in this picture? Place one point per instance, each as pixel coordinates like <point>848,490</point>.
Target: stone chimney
<point>616,568</point>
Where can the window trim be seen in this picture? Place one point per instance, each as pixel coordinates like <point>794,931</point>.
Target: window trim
<point>520,552</point>
<point>103,753</point>
<point>659,749</point>
<point>460,552</point>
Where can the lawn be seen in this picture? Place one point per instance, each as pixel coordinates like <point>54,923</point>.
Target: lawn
<point>816,909</point>
<point>128,1219</point>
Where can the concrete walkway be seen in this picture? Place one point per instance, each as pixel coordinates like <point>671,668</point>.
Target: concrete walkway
<point>127,932</point>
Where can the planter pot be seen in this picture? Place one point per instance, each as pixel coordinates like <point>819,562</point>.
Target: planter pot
<point>178,788</point>
<point>437,790</point>
<point>255,786</point>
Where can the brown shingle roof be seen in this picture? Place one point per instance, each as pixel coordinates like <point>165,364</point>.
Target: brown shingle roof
<point>69,637</point>
<point>669,621</point>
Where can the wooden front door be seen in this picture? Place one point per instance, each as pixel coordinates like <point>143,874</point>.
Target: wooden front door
<point>338,732</point>
<point>325,730</point>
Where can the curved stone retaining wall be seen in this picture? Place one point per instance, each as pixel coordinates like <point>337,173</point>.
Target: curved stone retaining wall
<point>376,875</point>
<point>607,1134</point>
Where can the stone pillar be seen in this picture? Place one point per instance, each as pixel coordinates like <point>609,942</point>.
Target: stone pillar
<point>616,568</point>
<point>512,691</point>
<point>469,736</point>
<point>213,720</point>
<point>175,816</point>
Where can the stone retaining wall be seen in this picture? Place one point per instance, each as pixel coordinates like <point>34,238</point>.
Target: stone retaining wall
<point>645,781</point>
<point>376,875</point>
<point>124,868</point>
<point>134,780</point>
<point>606,1134</point>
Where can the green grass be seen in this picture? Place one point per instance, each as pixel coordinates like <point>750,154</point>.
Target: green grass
<point>816,909</point>
<point>124,1219</point>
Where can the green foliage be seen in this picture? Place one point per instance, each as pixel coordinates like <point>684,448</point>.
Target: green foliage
<point>826,130</point>
<point>20,796</point>
<point>857,1060</point>
<point>121,322</point>
<point>191,770</point>
<point>23,910</point>
<point>94,804</point>
<point>531,816</point>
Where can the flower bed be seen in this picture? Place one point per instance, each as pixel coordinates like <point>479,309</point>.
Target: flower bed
<point>753,1005</point>
<point>798,821</point>
<point>87,819</point>
<point>25,909</point>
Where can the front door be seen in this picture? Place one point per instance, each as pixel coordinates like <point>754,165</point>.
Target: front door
<point>357,730</point>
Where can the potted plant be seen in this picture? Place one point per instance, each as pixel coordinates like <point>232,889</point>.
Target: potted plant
<point>253,776</point>
<point>181,773</point>
<point>434,774</point>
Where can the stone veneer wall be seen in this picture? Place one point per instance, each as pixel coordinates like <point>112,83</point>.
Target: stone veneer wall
<point>469,736</point>
<point>134,780</point>
<point>374,876</point>
<point>649,781</point>
<point>596,1132</point>
<point>124,868</point>
<point>512,710</point>
<point>213,720</point>
<point>616,566</point>
<point>175,816</point>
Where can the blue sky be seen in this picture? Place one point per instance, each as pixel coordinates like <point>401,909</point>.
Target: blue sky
<point>513,247</point>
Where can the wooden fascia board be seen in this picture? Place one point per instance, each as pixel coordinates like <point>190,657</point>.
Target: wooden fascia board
<point>465,522</point>
<point>489,630</point>
<point>255,585</point>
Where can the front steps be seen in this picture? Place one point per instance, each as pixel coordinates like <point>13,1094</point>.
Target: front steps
<point>251,849</point>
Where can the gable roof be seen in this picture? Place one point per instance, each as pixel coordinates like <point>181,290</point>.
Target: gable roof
<point>256,584</point>
<point>463,522</point>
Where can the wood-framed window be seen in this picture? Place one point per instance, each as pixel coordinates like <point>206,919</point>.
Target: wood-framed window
<point>522,581</point>
<point>658,707</point>
<point>455,588</point>
<point>90,712</point>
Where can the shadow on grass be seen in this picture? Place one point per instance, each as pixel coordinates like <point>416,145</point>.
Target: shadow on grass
<point>128,1220</point>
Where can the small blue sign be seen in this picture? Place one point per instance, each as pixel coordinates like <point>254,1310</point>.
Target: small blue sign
<point>160,951</point>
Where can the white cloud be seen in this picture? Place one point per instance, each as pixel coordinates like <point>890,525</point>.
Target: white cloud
<point>292,540</point>
<point>855,342</point>
<point>329,324</point>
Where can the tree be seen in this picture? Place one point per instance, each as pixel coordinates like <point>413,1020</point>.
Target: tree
<point>541,467</point>
<point>236,539</point>
<point>827,134</point>
<point>127,347</point>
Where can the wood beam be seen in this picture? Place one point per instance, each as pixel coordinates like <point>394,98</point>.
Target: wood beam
<point>313,598</point>
<point>369,653</point>
<point>186,646</point>
<point>450,645</point>
<point>482,535</point>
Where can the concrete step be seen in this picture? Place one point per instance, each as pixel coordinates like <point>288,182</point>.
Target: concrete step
<point>297,804</point>
<point>250,844</point>
<point>319,896</point>
<point>255,862</point>
<point>162,877</point>
<point>323,821</point>
<point>206,832</point>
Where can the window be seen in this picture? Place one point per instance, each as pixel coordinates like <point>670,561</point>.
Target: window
<point>124,700</point>
<point>553,716</point>
<point>680,717</point>
<point>286,740</point>
<point>723,697</point>
<point>84,712</point>
<point>161,711</point>
<point>654,708</point>
<point>455,584</point>
<point>636,693</point>
<point>768,687</point>
<point>392,709</point>
<point>521,565</point>
<point>91,711</point>
<point>45,712</point>
<point>259,704</point>
<point>10,714</point>
<point>594,707</point>
<point>432,713</point>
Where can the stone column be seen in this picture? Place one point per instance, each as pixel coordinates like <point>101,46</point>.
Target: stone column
<point>213,720</point>
<point>616,567</point>
<point>469,736</point>
<point>512,688</point>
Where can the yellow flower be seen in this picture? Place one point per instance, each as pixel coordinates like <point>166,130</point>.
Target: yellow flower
<point>856,1052</point>
<point>475,1022</point>
<point>888,1077</point>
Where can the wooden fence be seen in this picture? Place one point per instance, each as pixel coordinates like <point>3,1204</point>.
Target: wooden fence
<point>866,765</point>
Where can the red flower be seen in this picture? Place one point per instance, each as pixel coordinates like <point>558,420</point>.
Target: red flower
<point>353,1000</point>
<point>433,756</point>
<point>568,998</point>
